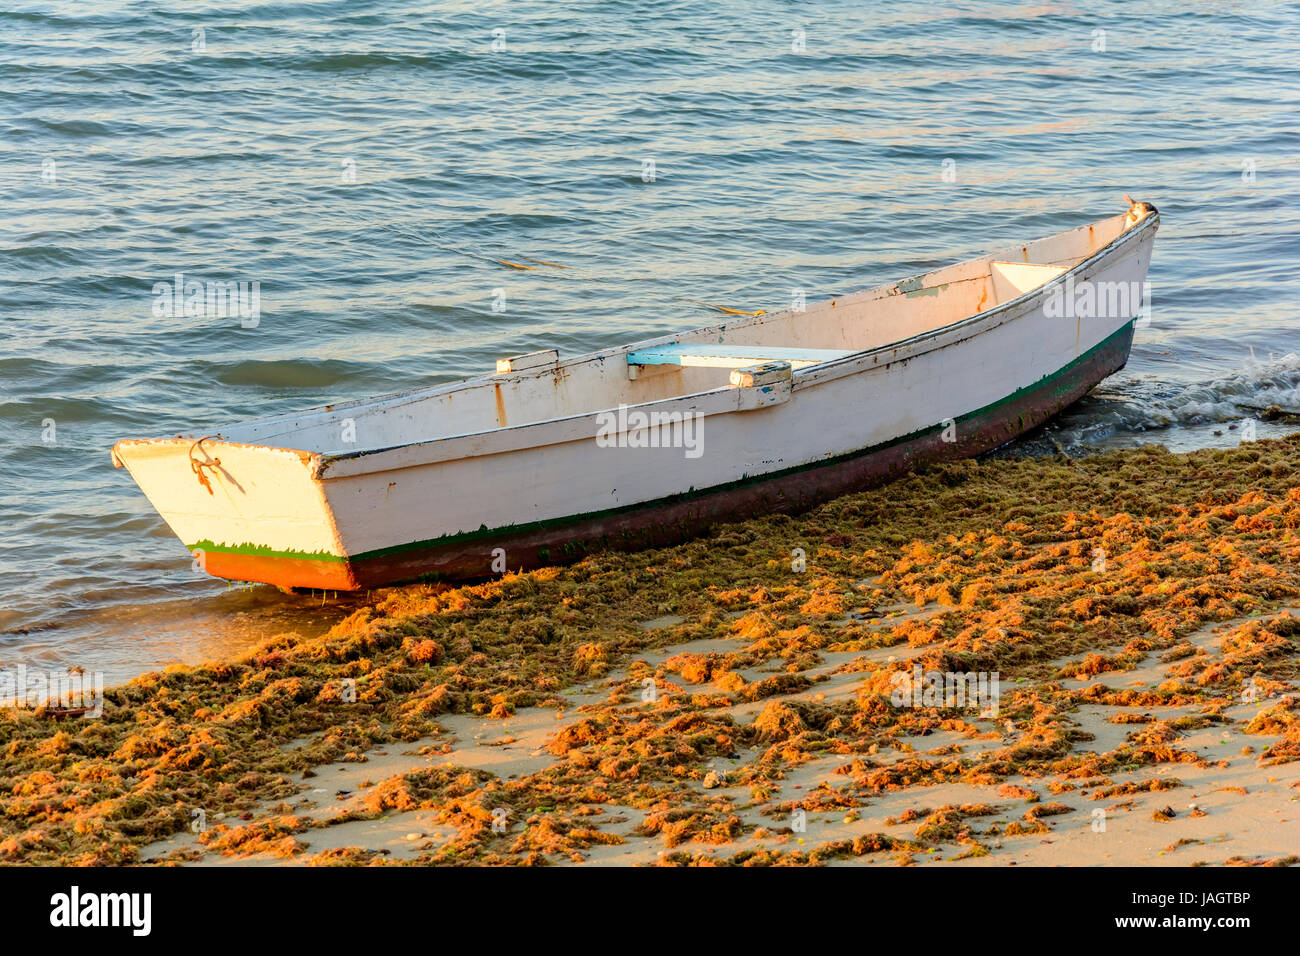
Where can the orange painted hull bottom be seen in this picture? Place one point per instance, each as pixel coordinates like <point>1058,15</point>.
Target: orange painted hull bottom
<point>667,522</point>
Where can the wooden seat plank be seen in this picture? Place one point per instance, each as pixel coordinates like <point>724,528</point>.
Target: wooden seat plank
<point>729,356</point>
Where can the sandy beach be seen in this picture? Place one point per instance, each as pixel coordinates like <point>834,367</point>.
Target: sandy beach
<point>1124,627</point>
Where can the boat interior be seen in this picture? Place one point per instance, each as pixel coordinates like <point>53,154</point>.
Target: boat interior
<point>541,387</point>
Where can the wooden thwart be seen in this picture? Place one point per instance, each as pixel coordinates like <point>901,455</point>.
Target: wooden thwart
<point>1013,279</point>
<point>730,356</point>
<point>544,358</point>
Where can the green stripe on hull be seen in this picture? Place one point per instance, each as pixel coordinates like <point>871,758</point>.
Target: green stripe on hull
<point>262,551</point>
<point>505,530</point>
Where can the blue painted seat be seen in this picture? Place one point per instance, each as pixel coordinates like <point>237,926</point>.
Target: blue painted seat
<point>730,356</point>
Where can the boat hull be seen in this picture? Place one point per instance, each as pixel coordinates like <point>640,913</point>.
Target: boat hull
<point>544,462</point>
<point>681,517</point>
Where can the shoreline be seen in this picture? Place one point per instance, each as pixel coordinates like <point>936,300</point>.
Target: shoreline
<point>684,705</point>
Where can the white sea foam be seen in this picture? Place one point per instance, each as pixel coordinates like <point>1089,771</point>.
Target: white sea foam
<point>1244,394</point>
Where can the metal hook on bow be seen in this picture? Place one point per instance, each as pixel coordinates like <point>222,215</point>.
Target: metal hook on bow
<point>197,466</point>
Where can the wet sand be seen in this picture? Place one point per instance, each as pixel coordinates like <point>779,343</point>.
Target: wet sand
<point>723,703</point>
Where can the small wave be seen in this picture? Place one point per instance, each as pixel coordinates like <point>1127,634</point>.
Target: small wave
<point>345,62</point>
<point>43,256</point>
<point>1118,413</point>
<point>287,373</point>
<point>76,128</point>
<point>1244,394</point>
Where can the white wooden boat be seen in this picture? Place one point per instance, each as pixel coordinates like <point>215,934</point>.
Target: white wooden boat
<point>653,442</point>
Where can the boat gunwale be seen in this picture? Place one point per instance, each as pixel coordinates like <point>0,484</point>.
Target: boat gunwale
<point>963,330</point>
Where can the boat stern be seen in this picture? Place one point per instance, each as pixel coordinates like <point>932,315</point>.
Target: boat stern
<point>244,512</point>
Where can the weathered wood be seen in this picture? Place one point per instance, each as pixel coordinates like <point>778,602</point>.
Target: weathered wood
<point>544,358</point>
<point>756,376</point>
